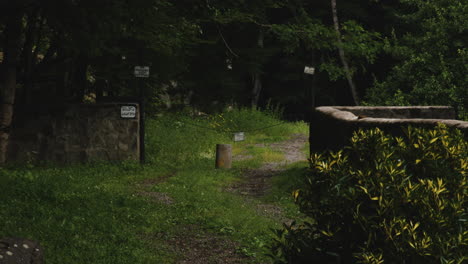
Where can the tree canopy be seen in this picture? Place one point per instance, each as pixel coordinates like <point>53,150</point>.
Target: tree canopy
<point>398,52</point>
<point>210,53</point>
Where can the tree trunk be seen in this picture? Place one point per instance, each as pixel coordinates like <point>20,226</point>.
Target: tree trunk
<point>79,81</point>
<point>13,33</point>
<point>256,89</point>
<point>29,55</point>
<point>341,52</point>
<point>257,81</point>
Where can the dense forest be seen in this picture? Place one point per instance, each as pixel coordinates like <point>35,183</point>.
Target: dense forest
<point>206,54</point>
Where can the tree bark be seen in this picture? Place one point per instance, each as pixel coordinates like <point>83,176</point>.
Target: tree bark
<point>257,81</point>
<point>78,81</point>
<point>29,55</point>
<point>13,33</point>
<point>341,52</point>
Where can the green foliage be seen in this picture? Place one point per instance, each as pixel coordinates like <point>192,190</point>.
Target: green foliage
<point>384,199</point>
<point>309,34</point>
<point>430,55</point>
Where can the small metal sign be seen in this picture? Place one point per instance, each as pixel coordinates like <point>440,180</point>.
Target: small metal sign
<point>239,136</point>
<point>309,70</point>
<point>128,111</point>
<point>142,71</point>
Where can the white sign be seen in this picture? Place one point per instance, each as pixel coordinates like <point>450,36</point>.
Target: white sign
<point>309,70</point>
<point>239,136</point>
<point>128,111</point>
<point>142,71</point>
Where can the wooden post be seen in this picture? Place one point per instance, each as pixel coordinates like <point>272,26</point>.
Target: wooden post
<point>223,156</point>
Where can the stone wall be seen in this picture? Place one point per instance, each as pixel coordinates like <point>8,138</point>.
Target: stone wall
<point>76,133</point>
<point>332,126</point>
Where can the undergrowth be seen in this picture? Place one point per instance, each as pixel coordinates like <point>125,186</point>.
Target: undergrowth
<point>94,214</point>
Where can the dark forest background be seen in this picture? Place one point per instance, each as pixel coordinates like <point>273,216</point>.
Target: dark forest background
<point>206,54</point>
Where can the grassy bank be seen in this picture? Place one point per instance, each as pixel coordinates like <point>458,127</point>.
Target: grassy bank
<point>129,213</point>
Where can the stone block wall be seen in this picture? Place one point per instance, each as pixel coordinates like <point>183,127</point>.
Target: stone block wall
<point>75,134</point>
<point>332,126</point>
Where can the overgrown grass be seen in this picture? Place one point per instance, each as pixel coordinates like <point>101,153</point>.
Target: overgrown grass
<point>93,213</point>
<point>81,214</point>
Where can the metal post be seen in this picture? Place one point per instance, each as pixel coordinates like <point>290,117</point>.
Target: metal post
<point>310,84</point>
<point>142,128</point>
<point>141,96</point>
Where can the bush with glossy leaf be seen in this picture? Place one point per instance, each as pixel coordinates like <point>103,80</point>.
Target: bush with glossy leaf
<point>384,199</point>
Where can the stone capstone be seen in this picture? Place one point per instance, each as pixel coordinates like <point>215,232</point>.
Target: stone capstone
<point>332,126</point>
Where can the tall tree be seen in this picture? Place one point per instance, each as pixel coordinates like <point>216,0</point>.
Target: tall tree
<point>12,41</point>
<point>256,77</point>
<point>341,52</point>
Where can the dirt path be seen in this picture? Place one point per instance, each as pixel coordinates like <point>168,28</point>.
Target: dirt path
<point>198,246</point>
<point>211,249</point>
<point>256,182</point>
<point>291,148</point>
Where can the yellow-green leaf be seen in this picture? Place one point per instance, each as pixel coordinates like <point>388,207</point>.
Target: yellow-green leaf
<point>363,188</point>
<point>296,194</point>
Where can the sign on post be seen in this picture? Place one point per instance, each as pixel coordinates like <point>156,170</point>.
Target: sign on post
<point>142,71</point>
<point>309,70</point>
<point>239,136</point>
<point>128,111</point>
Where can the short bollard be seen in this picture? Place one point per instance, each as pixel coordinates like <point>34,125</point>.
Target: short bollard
<point>223,156</point>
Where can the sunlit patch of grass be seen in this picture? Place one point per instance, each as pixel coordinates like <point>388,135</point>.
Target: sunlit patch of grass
<point>238,149</point>
<point>272,156</point>
<point>257,154</point>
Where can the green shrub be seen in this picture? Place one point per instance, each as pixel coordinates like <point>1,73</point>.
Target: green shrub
<point>383,199</point>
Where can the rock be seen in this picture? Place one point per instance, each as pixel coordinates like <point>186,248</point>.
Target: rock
<point>20,251</point>
<point>123,146</point>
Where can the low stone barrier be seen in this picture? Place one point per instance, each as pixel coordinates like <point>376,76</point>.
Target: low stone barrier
<point>332,126</point>
<point>77,133</point>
